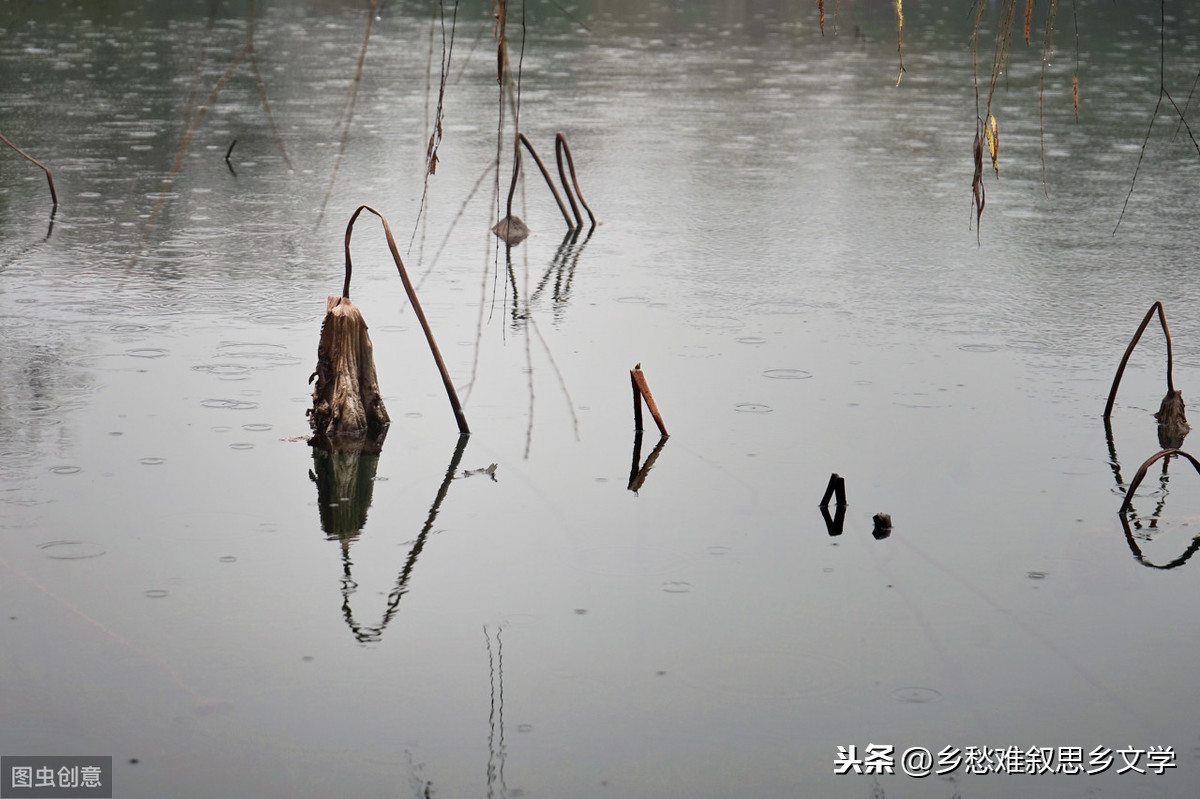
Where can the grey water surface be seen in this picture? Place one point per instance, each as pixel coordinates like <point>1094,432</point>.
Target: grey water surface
<point>788,249</point>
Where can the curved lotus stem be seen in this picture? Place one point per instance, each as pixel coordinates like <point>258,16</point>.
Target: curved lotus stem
<point>1162,318</point>
<point>412,298</point>
<point>560,147</point>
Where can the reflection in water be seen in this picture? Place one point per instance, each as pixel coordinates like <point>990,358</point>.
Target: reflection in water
<point>496,747</point>
<point>523,321</point>
<point>1130,520</point>
<point>562,270</point>
<point>835,524</point>
<point>639,470</point>
<point>351,476</point>
<point>836,488</point>
<point>1131,539</point>
<point>345,483</point>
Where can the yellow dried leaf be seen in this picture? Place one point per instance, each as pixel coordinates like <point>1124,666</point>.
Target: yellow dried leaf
<point>993,142</point>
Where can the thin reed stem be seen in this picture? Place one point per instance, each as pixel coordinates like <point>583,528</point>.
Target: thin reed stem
<point>38,164</point>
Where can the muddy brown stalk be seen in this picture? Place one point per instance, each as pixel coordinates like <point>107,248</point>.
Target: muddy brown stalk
<point>641,391</point>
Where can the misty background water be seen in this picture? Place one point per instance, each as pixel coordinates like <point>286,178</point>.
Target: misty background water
<point>785,248</point>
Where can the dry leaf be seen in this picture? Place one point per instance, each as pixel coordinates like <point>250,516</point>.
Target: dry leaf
<point>993,142</point>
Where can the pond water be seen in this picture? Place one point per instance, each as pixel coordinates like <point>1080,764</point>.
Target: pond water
<point>785,247</point>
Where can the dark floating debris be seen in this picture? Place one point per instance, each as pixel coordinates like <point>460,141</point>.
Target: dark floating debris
<point>883,525</point>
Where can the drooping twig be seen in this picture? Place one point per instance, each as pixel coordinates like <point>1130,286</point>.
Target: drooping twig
<point>459,417</point>
<point>38,164</point>
<point>435,137</point>
<point>978,190</point>
<point>1047,47</point>
<point>1162,92</point>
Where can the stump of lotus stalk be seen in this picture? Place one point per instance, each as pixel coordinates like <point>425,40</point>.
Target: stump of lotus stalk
<point>347,412</point>
<point>1172,421</point>
<point>511,230</point>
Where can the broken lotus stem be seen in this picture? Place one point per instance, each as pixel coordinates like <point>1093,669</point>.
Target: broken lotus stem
<point>641,391</point>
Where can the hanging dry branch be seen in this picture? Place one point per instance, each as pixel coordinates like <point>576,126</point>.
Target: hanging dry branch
<point>978,192</point>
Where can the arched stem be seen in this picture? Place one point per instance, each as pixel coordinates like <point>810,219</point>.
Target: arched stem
<point>560,147</point>
<point>1162,318</point>
<point>549,182</point>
